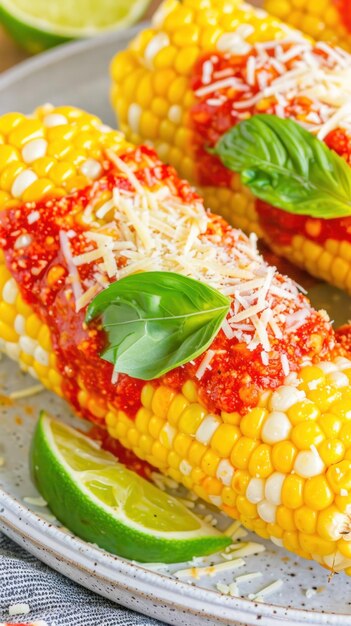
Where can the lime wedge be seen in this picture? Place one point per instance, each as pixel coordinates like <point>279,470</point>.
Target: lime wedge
<point>40,24</point>
<point>102,502</point>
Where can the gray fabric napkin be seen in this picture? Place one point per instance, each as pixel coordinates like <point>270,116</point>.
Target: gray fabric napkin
<point>52,597</point>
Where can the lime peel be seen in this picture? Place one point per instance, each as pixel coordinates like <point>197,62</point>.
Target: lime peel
<point>101,501</point>
<point>37,24</point>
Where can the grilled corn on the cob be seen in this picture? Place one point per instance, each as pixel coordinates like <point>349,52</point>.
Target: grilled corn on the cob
<point>204,66</point>
<point>260,424</point>
<point>329,20</point>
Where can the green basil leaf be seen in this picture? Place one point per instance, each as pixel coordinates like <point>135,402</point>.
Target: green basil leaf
<point>156,321</point>
<point>286,166</point>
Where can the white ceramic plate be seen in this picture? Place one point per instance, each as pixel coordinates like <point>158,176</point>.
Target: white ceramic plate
<point>78,74</point>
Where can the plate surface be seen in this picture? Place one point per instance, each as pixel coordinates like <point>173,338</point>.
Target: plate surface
<point>77,74</point>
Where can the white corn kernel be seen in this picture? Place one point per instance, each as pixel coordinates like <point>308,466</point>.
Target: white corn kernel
<point>54,119</point>
<point>207,429</point>
<point>273,488</point>
<point>338,379</point>
<point>308,463</point>
<point>20,324</point>
<point>24,180</point>
<point>185,467</point>
<point>27,345</point>
<point>12,350</point>
<point>276,428</point>
<point>267,511</point>
<point>285,397</point>
<point>33,150</point>
<point>225,472</point>
<point>255,490</point>
<point>91,168</point>
<point>134,114</point>
<point>10,291</point>
<point>41,356</point>
<point>327,367</point>
<point>23,241</point>
<point>175,114</point>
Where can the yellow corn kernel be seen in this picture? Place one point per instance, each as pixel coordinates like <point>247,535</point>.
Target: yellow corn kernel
<point>189,390</point>
<point>209,463</point>
<point>7,332</point>
<point>331,523</point>
<point>161,400</point>
<point>181,444</point>
<point>185,59</point>
<point>212,485</point>
<point>191,418</point>
<point>33,325</point>
<point>162,79</point>
<point>330,424</point>
<point>240,482</point>
<point>231,418</point>
<point>332,451</point>
<point>38,190</point>
<point>292,491</point>
<point>155,426</point>
<point>8,155</point>
<point>196,452</point>
<point>43,166</point>
<point>306,434</point>
<point>324,397</point>
<point>283,456</point>
<point>146,443</point>
<point>142,420</point>
<point>291,541</point>
<point>9,173</point>
<point>242,451</point>
<point>44,338</point>
<point>311,377</point>
<point>246,508</point>
<point>345,548</point>
<point>251,423</point>
<point>224,438</point>
<point>7,313</point>
<point>177,18</point>
<point>26,131</point>
<point>160,453</point>
<point>9,121</point>
<point>305,520</point>
<point>317,493</point>
<point>285,518</point>
<point>174,460</point>
<point>165,58</point>
<point>303,411</point>
<point>260,464</point>
<point>342,408</point>
<point>316,545</point>
<point>228,496</point>
<point>339,476</point>
<point>176,408</point>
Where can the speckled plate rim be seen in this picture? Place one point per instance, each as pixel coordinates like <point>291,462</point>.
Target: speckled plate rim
<point>24,526</point>
<point>18,520</point>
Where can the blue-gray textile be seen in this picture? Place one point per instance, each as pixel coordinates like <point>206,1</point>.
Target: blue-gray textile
<point>53,598</point>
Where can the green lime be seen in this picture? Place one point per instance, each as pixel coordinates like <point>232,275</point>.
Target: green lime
<point>40,24</point>
<point>101,501</point>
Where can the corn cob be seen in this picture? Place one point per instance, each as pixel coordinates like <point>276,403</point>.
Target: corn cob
<point>268,442</point>
<point>326,19</point>
<point>179,82</point>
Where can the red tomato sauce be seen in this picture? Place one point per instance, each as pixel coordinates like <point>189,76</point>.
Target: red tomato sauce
<point>235,376</point>
<point>344,8</point>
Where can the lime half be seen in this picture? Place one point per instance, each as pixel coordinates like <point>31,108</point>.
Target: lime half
<point>102,502</point>
<point>40,24</point>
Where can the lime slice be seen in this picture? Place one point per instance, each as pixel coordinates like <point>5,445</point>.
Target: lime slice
<point>102,502</point>
<point>40,24</point>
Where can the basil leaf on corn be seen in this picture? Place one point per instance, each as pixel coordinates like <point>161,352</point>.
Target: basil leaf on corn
<point>286,166</point>
<point>156,321</point>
